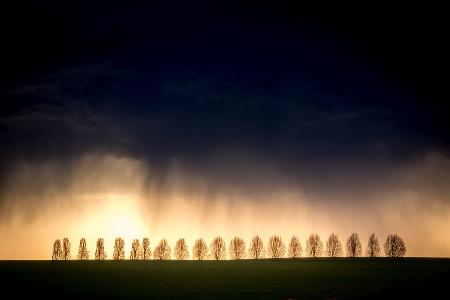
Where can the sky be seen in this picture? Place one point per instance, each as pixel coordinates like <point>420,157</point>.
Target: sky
<point>171,119</point>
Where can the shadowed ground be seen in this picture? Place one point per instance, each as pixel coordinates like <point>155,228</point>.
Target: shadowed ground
<point>304,278</point>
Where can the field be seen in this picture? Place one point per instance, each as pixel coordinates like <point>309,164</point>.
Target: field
<point>304,278</point>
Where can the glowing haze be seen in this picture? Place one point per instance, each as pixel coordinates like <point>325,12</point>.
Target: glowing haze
<point>108,196</point>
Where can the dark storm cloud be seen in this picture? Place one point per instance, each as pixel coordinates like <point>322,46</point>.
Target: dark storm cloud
<point>311,99</point>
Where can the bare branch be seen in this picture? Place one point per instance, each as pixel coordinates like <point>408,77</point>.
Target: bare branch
<point>57,251</point>
<point>237,248</point>
<point>181,251</point>
<point>218,248</point>
<point>295,248</point>
<point>146,250</point>
<point>200,250</point>
<point>256,250</point>
<point>136,251</point>
<point>394,246</point>
<point>373,248</point>
<point>162,251</point>
<point>83,253</point>
<point>119,249</point>
<point>100,253</point>
<point>66,249</point>
<point>334,246</point>
<point>354,248</point>
<point>276,247</point>
<point>314,246</point>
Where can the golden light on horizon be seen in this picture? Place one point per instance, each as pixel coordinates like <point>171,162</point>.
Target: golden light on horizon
<point>115,215</point>
<point>116,198</point>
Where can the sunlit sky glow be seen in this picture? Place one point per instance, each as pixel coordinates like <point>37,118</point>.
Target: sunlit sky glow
<point>183,208</point>
<point>185,121</point>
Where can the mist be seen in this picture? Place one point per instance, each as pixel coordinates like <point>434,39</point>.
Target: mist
<point>105,195</point>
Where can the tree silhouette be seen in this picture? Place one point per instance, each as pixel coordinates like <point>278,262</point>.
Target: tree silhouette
<point>373,248</point>
<point>83,253</point>
<point>200,250</point>
<point>218,248</point>
<point>162,251</point>
<point>354,248</point>
<point>181,251</point>
<point>237,248</point>
<point>100,253</point>
<point>394,246</point>
<point>146,251</point>
<point>57,251</point>
<point>295,248</point>
<point>256,250</point>
<point>119,249</point>
<point>136,251</point>
<point>334,246</point>
<point>66,249</point>
<point>276,247</point>
<point>314,246</point>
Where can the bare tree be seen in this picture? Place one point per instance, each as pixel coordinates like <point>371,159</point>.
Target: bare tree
<point>146,251</point>
<point>256,249</point>
<point>314,246</point>
<point>181,251</point>
<point>295,248</point>
<point>218,248</point>
<point>66,249</point>
<point>276,247</point>
<point>354,248</point>
<point>237,248</point>
<point>83,253</point>
<point>136,251</point>
<point>162,251</point>
<point>57,250</point>
<point>334,246</point>
<point>373,248</point>
<point>119,249</point>
<point>394,246</point>
<point>100,253</point>
<point>200,250</point>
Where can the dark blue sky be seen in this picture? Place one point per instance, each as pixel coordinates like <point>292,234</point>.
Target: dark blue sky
<point>314,94</point>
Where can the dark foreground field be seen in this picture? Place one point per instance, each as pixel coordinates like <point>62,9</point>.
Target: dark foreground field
<point>275,279</point>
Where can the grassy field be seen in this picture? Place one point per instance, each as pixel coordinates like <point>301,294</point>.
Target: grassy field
<point>304,278</point>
